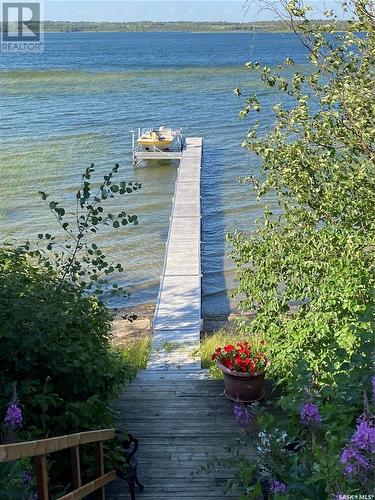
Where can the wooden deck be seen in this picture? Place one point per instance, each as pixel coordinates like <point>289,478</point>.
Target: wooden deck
<point>179,415</point>
<point>181,425</point>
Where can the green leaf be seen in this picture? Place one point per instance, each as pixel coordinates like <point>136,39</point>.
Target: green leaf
<point>257,493</point>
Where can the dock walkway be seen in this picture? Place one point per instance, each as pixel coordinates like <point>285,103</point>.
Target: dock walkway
<point>177,319</point>
<point>180,417</point>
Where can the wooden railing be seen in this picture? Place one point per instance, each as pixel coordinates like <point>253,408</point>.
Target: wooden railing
<point>38,450</point>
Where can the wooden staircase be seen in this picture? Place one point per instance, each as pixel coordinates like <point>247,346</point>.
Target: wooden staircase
<point>182,421</point>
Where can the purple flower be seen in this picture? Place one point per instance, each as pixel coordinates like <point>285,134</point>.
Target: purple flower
<point>26,477</point>
<point>13,417</point>
<point>241,414</point>
<point>278,487</point>
<point>373,387</point>
<point>355,463</point>
<point>364,436</point>
<point>310,414</point>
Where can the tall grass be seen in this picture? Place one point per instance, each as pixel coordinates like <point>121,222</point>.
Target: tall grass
<point>134,353</point>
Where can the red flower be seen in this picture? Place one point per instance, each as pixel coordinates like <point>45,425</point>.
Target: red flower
<point>245,351</point>
<point>242,357</point>
<point>230,364</point>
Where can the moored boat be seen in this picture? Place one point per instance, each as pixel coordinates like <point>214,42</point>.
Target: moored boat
<point>162,139</point>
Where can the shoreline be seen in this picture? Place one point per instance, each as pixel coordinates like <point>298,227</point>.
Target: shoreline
<point>179,26</point>
<point>173,31</point>
<point>124,331</point>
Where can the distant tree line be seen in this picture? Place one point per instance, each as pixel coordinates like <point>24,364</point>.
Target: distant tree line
<point>188,26</point>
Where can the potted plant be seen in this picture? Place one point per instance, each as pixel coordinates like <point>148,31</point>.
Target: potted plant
<point>243,366</point>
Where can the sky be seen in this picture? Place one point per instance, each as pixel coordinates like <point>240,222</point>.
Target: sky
<point>162,10</point>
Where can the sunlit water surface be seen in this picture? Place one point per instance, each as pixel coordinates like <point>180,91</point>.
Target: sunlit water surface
<point>76,104</point>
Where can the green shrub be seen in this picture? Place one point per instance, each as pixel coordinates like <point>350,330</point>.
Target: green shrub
<point>55,351</point>
<point>54,326</point>
<point>55,346</point>
<point>17,481</point>
<point>308,269</point>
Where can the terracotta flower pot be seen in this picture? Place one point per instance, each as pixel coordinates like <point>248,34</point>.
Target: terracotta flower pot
<point>243,387</point>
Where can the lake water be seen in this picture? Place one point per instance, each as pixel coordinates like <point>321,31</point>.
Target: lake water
<point>76,104</point>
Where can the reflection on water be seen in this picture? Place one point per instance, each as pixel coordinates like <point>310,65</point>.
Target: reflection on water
<point>76,104</point>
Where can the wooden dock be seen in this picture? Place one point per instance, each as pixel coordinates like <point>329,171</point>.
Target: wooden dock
<point>177,319</point>
<point>179,415</point>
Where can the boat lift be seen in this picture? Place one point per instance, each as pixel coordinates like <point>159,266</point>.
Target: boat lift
<point>139,153</point>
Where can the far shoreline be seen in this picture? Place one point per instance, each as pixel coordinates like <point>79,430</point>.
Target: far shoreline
<point>170,31</point>
<point>271,26</point>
